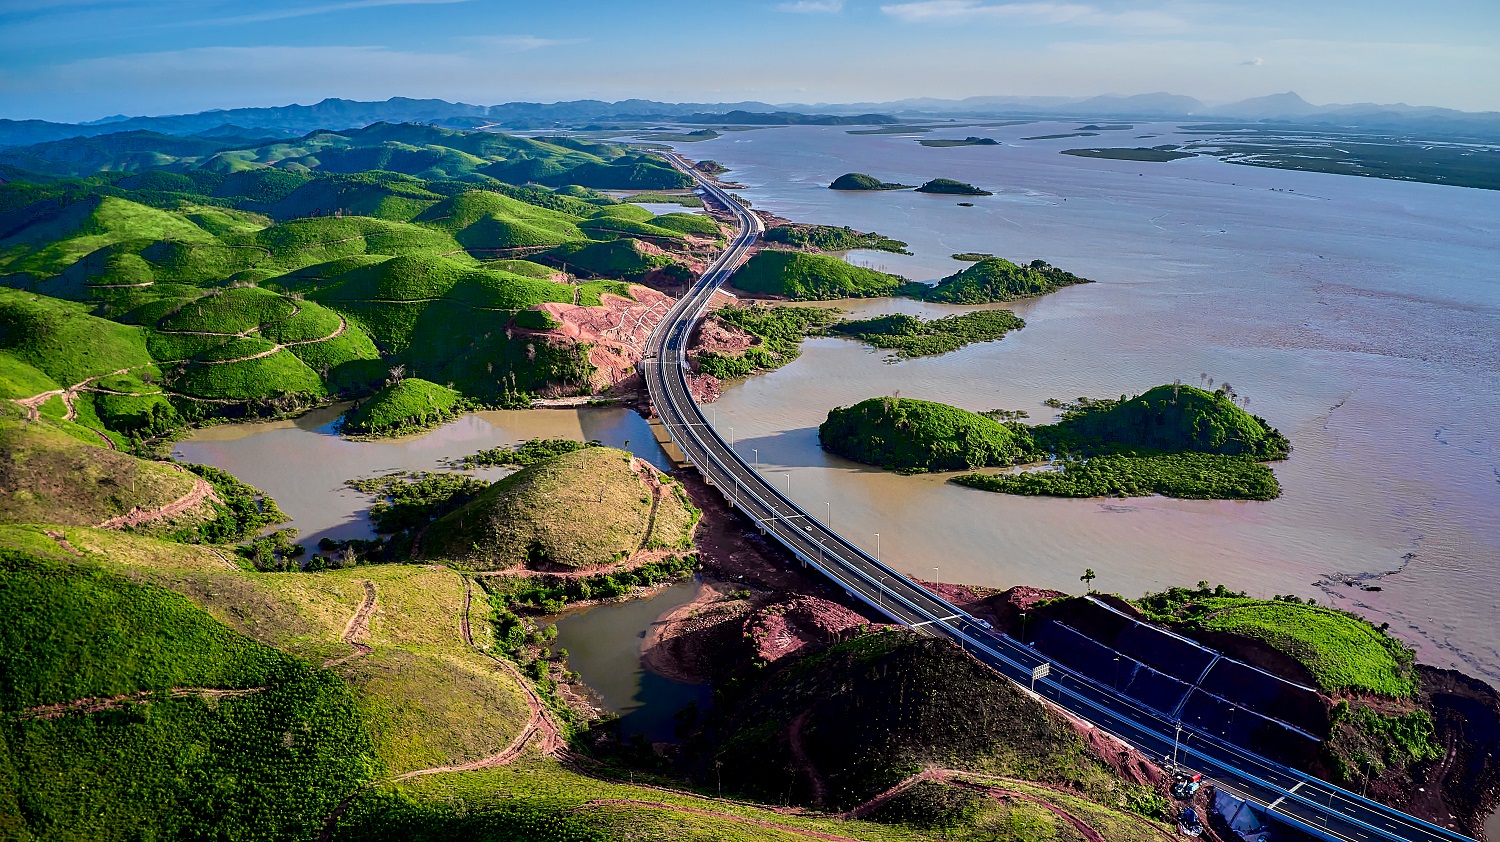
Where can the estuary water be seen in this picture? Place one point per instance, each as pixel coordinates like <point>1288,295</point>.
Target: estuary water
<point>1360,316</point>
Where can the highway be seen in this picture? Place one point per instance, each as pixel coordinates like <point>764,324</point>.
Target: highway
<point>1292,797</point>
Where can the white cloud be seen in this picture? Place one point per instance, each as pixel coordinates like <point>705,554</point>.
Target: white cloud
<point>323,9</point>
<point>1046,12</point>
<point>806,7</point>
<point>523,42</point>
<point>1253,62</point>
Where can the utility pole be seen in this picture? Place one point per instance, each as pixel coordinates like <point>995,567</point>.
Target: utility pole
<point>1176,737</point>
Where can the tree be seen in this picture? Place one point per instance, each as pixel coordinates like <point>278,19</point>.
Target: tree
<point>1088,578</point>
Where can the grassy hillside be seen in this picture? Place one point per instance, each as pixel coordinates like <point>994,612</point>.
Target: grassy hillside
<point>778,332</point>
<point>48,475</point>
<point>913,436</point>
<point>812,277</point>
<point>1341,651</point>
<point>877,709</point>
<point>407,406</point>
<point>579,509</point>
<point>997,279</point>
<point>264,765</point>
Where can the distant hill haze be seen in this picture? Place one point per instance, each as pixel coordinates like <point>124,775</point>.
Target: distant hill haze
<point>347,114</point>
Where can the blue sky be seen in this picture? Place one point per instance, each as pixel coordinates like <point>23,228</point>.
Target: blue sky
<point>84,59</point>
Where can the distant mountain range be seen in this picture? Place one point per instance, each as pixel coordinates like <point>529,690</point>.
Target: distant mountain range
<point>337,114</point>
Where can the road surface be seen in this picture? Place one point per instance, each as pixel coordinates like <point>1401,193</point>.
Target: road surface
<point>1287,795</point>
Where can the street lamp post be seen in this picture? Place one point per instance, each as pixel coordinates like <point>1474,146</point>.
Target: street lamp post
<point>877,547</point>
<point>1023,628</point>
<point>880,594</point>
<point>1117,672</point>
<point>828,521</point>
<point>936,575</point>
<point>756,451</point>
<point>789,486</point>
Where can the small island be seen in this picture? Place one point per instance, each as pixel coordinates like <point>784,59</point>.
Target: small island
<point>860,181</point>
<point>968,141</point>
<point>831,238</point>
<point>995,279</point>
<point>971,256</point>
<point>953,188</point>
<point>1174,440</point>
<point>805,276</point>
<point>1154,154</point>
<point>910,336</point>
<point>406,405</point>
<point>915,436</point>
<point>710,167</point>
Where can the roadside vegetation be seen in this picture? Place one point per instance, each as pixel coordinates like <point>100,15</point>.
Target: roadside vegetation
<point>778,334</point>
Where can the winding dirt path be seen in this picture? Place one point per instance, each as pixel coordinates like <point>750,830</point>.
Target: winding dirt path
<point>96,704</point>
<point>358,628</point>
<point>138,516</point>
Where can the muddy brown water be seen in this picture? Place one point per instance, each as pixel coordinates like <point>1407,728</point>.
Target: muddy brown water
<point>303,463</point>
<point>604,648</point>
<point>1359,315</point>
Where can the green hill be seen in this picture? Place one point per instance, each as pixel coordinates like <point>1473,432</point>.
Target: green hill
<point>580,509</point>
<point>407,406</point>
<point>812,277</point>
<point>950,187</point>
<point>914,436</point>
<point>995,279</point>
<point>1168,419</point>
<point>868,713</point>
<point>55,472</point>
<point>860,181</point>
<point>1178,441</point>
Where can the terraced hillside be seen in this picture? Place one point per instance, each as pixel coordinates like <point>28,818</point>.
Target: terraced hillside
<point>263,279</point>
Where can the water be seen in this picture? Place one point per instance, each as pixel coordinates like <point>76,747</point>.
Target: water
<point>1359,315</point>
<point>303,463</point>
<point>604,648</point>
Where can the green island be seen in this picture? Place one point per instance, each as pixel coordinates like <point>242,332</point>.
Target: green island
<point>911,336</point>
<point>995,279</point>
<point>860,181</point>
<point>409,405</point>
<point>832,238</point>
<point>1152,154</point>
<point>968,141</point>
<point>916,436</point>
<point>953,188</point>
<point>710,167</point>
<point>971,256</point>
<point>803,276</point>
<point>1059,136</point>
<point>1177,441</point>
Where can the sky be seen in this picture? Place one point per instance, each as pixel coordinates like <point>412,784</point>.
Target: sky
<point>73,60</point>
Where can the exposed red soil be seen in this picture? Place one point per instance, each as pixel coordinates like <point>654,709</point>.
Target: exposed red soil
<point>617,331</point>
<point>784,609</point>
